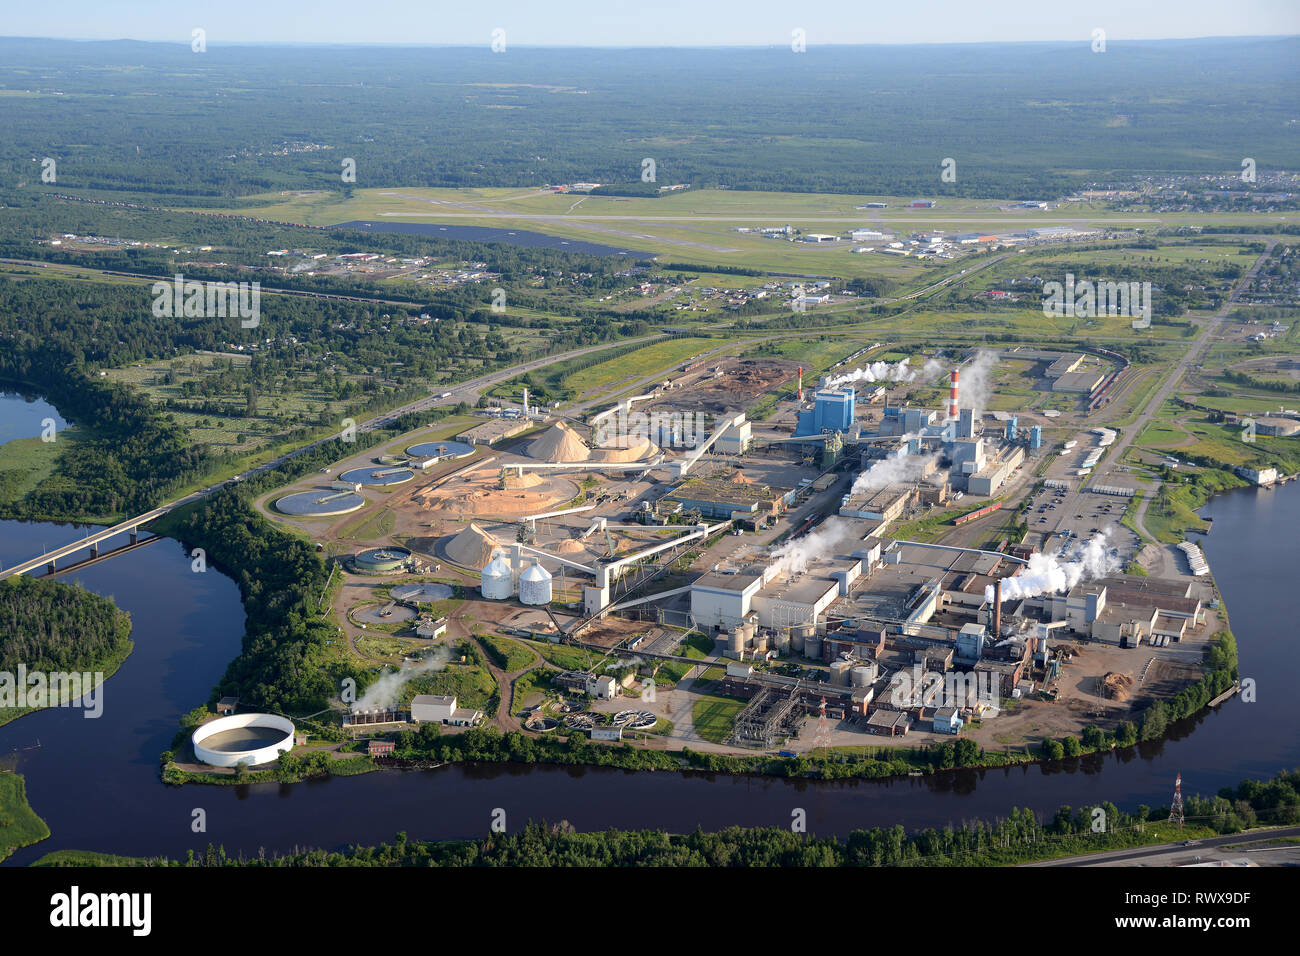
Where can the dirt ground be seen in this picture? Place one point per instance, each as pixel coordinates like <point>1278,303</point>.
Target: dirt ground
<point>743,381</point>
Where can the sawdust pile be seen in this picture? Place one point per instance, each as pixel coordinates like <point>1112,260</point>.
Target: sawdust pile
<point>1116,686</point>
<point>473,547</point>
<point>558,443</point>
<point>625,449</point>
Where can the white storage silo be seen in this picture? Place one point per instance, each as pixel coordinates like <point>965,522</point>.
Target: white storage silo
<point>535,585</point>
<point>495,583</point>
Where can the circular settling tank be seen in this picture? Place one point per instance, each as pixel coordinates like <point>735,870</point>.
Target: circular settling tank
<point>440,449</point>
<point>381,560</point>
<point>320,503</point>
<point>378,475</point>
<point>249,739</point>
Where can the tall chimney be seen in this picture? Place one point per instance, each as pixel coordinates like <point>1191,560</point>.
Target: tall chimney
<point>953,413</point>
<point>799,393</point>
<point>997,610</point>
<point>525,403</point>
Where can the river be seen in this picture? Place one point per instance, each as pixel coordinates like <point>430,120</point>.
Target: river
<point>95,782</point>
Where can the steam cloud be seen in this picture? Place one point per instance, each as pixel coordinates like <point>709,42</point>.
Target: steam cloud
<point>901,371</point>
<point>383,693</point>
<point>794,556</point>
<point>1048,574</point>
<point>977,382</point>
<point>900,466</point>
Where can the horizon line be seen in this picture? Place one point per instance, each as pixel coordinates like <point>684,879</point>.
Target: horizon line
<point>386,44</point>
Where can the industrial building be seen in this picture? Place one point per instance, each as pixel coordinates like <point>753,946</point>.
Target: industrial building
<point>437,709</point>
<point>833,410</point>
<point>1079,383</point>
<point>1065,364</point>
<point>884,505</point>
<point>995,472</point>
<point>724,498</point>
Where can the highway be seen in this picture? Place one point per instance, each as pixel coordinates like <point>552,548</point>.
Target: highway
<point>1172,854</point>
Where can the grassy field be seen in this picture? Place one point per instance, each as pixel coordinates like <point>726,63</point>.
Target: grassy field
<point>295,401</point>
<point>714,717</point>
<point>509,655</point>
<point>26,463</point>
<point>660,356</point>
<point>19,824</point>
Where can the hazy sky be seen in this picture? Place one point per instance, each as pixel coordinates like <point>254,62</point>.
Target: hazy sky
<point>650,23</point>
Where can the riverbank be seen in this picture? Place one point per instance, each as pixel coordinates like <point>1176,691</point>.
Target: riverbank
<point>19,824</point>
<point>1252,807</point>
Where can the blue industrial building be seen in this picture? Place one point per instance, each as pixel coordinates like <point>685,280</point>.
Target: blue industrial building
<point>1035,437</point>
<point>1013,424</point>
<point>833,411</point>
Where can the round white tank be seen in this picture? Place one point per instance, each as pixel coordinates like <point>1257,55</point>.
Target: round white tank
<point>737,643</point>
<point>861,676</point>
<point>840,673</point>
<point>495,583</point>
<point>812,645</point>
<point>535,585</point>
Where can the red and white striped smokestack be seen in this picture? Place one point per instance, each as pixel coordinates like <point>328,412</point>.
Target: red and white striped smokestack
<point>953,413</point>
<point>799,393</point>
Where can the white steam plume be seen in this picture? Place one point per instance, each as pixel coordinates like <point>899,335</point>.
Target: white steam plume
<point>383,692</point>
<point>1047,574</point>
<point>795,555</point>
<point>977,382</point>
<point>900,466</point>
<point>901,371</point>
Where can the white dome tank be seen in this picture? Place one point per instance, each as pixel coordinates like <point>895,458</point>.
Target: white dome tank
<point>495,583</point>
<point>535,585</point>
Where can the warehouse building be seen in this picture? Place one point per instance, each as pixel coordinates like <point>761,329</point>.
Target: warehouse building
<point>437,709</point>
<point>1065,364</point>
<point>1079,383</point>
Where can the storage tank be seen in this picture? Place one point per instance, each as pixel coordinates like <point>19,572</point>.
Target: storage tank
<point>840,673</point>
<point>780,641</point>
<point>758,645</point>
<point>495,582</point>
<point>862,675</point>
<point>812,644</point>
<point>750,627</point>
<point>535,585</point>
<point>799,635</point>
<point>736,646</point>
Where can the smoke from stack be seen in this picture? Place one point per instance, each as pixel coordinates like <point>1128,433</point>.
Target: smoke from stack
<point>901,371</point>
<point>1048,574</point>
<point>978,382</point>
<point>383,693</point>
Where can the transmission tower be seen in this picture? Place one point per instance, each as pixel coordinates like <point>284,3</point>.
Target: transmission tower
<point>1176,808</point>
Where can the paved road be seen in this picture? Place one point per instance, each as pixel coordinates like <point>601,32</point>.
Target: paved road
<point>1075,502</point>
<point>1174,853</point>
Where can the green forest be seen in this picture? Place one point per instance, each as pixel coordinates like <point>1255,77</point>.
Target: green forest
<point>1027,120</point>
<point>50,626</point>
